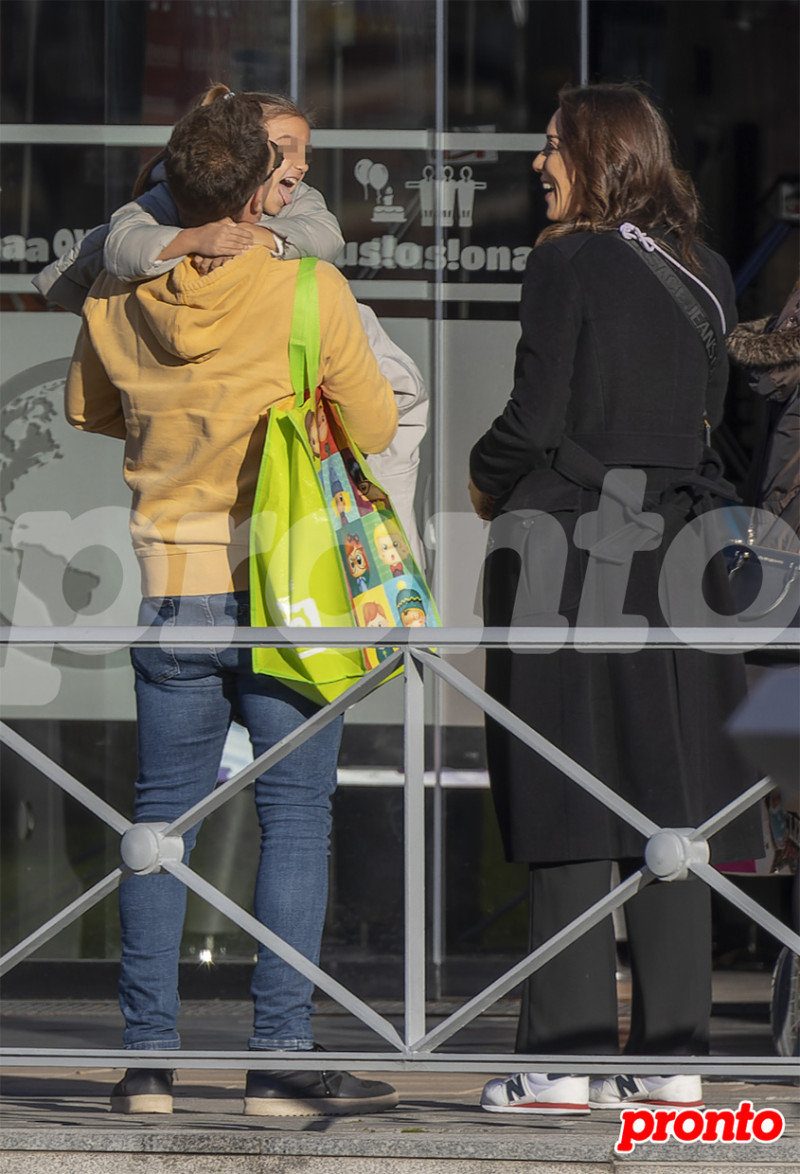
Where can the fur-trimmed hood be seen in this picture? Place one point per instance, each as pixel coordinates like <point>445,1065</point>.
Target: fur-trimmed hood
<point>752,345</point>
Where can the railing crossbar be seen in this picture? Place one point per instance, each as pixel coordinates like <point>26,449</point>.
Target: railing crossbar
<point>280,750</point>
<point>753,1067</point>
<point>541,640</point>
<point>261,933</point>
<point>61,920</point>
<point>736,806</point>
<point>589,782</point>
<point>760,915</point>
<point>535,960</point>
<point>63,779</point>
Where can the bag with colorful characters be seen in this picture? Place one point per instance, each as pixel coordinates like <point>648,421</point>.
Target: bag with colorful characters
<point>326,547</point>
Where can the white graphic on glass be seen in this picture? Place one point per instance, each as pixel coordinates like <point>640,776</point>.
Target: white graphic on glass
<point>426,187</point>
<point>438,198</point>
<point>466,188</point>
<point>376,176</point>
<point>447,197</point>
<point>452,191</point>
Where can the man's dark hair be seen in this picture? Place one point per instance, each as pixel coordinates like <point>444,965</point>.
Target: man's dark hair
<point>216,158</point>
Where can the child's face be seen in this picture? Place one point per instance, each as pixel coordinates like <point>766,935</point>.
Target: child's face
<point>291,134</point>
<point>357,562</point>
<point>413,617</point>
<point>388,549</point>
<point>313,436</point>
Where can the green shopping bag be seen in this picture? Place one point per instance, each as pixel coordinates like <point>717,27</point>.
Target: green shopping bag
<point>326,547</point>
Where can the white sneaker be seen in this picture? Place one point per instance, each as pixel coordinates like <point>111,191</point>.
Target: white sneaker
<point>535,1092</point>
<point>679,1092</point>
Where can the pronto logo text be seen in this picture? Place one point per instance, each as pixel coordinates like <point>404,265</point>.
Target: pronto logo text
<point>708,1125</point>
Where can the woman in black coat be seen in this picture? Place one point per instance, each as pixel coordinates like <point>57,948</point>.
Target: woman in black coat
<point>610,374</point>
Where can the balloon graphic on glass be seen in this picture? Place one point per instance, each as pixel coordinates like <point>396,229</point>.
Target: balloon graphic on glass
<point>378,177</point>
<point>361,172</point>
<point>371,174</point>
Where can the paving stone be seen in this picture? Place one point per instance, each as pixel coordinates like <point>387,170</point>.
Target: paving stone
<point>56,1120</point>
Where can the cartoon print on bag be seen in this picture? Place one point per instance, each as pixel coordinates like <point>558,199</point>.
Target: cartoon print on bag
<point>374,616</point>
<point>391,546</point>
<point>357,563</point>
<point>340,499</point>
<point>312,432</point>
<point>325,441</point>
<point>410,605</point>
<point>359,483</point>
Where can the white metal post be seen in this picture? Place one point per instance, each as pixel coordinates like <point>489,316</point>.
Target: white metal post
<point>414,804</point>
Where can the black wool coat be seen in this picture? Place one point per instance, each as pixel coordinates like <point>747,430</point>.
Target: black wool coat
<point>607,360</point>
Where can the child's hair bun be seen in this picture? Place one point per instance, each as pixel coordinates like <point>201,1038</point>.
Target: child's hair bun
<point>215,90</point>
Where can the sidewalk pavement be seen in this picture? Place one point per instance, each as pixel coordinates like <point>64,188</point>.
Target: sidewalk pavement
<point>56,1120</point>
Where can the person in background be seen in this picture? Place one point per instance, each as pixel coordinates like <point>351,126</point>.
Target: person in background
<point>610,374</point>
<point>769,351</point>
<point>191,407</point>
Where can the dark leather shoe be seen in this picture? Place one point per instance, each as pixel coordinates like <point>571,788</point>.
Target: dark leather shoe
<point>296,1092</point>
<point>143,1090</point>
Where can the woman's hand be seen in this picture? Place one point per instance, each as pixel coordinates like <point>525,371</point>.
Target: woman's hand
<point>482,503</point>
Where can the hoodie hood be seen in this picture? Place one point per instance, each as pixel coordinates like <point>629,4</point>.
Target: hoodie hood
<point>193,317</point>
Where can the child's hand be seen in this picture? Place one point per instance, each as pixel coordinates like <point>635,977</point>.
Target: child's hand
<point>204,265</point>
<point>220,238</point>
<point>261,235</point>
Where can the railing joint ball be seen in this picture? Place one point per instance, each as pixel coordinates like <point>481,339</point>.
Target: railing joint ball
<point>144,848</point>
<point>669,853</point>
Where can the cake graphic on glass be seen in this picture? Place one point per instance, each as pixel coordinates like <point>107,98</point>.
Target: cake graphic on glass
<point>376,176</point>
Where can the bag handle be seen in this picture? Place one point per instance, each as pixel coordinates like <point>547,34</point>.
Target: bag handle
<point>304,334</point>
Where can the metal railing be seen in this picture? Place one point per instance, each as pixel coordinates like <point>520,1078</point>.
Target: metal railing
<point>670,855</point>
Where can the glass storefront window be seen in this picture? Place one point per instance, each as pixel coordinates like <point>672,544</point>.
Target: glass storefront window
<point>426,117</point>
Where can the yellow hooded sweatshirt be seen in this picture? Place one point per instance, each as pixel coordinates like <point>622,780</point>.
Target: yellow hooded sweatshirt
<point>184,368</point>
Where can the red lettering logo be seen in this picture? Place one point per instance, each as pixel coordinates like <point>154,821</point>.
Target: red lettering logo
<point>740,1125</point>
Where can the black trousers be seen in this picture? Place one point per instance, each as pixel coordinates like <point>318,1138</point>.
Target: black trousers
<point>570,1004</point>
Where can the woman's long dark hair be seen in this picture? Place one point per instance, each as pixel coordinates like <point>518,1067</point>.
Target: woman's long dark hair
<point>621,151</point>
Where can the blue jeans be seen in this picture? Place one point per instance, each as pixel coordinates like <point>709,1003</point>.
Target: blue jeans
<point>186,699</point>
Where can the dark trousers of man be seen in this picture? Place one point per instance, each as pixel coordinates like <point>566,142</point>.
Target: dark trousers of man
<point>570,1004</point>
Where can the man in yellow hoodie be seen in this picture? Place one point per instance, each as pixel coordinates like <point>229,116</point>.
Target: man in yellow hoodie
<point>184,368</point>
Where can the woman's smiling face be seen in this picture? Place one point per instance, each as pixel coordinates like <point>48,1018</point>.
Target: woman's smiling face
<point>557,175</point>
